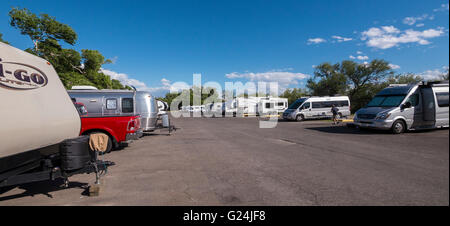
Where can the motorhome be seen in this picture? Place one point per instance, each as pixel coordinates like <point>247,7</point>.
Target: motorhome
<point>317,107</point>
<point>40,126</point>
<point>407,107</point>
<point>104,103</point>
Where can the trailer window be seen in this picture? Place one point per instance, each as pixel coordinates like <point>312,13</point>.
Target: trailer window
<point>281,104</point>
<point>442,99</point>
<point>269,105</point>
<point>111,104</point>
<point>127,105</point>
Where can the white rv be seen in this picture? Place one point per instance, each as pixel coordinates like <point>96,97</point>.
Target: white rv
<point>317,107</point>
<point>40,125</point>
<point>407,107</point>
<point>271,105</point>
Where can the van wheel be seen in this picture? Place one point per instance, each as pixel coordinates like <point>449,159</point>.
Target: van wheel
<point>300,118</point>
<point>398,127</point>
<point>108,147</point>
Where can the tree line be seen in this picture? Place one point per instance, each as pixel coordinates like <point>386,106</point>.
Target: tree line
<point>74,68</point>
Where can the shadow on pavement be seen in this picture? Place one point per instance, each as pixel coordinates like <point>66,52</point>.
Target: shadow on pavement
<point>42,188</point>
<point>339,129</point>
<point>342,129</point>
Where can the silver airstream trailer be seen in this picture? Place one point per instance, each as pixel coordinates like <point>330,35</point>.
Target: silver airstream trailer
<point>146,106</point>
<point>104,102</point>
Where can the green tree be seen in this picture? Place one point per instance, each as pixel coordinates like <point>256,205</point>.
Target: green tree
<point>365,80</point>
<point>41,28</point>
<point>46,33</point>
<point>293,94</point>
<point>331,80</point>
<point>404,79</point>
<point>1,39</point>
<point>359,81</point>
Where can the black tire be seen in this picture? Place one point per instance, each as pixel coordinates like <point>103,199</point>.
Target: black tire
<point>109,147</point>
<point>398,127</point>
<point>300,118</point>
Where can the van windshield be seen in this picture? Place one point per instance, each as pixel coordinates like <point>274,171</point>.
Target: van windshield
<point>297,103</point>
<point>386,101</point>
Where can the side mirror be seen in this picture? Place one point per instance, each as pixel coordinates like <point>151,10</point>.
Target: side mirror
<point>406,105</point>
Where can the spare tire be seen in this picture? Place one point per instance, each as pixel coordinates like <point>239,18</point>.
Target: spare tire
<point>108,146</point>
<point>74,153</point>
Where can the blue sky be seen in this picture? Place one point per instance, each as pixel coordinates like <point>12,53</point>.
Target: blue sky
<point>156,43</point>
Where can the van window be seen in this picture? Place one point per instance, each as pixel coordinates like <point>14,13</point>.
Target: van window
<point>111,104</point>
<point>316,105</point>
<point>307,105</point>
<point>127,105</point>
<point>442,99</point>
<point>386,101</point>
<point>342,103</point>
<point>414,99</point>
<point>297,103</point>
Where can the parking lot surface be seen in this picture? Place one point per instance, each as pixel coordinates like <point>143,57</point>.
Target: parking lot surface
<point>231,161</point>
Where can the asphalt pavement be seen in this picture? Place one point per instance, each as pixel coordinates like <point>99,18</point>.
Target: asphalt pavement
<point>231,161</point>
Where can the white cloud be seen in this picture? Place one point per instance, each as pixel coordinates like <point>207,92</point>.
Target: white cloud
<point>341,39</point>
<point>420,25</point>
<point>359,57</point>
<point>413,20</point>
<point>359,52</point>
<point>362,57</point>
<point>388,37</point>
<point>394,66</point>
<point>315,41</point>
<point>444,7</point>
<point>126,80</point>
<point>434,74</point>
<point>283,78</point>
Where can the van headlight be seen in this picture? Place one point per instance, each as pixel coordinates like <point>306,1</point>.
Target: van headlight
<point>383,116</point>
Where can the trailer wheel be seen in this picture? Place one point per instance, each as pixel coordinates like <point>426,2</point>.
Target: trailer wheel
<point>398,127</point>
<point>109,146</point>
<point>300,118</point>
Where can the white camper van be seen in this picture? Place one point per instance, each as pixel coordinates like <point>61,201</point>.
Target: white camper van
<point>40,125</point>
<point>317,107</point>
<point>407,107</point>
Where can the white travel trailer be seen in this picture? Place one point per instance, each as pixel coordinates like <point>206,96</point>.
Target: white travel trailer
<point>317,107</point>
<point>242,105</point>
<point>273,105</point>
<point>407,107</point>
<point>40,126</point>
